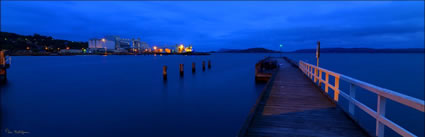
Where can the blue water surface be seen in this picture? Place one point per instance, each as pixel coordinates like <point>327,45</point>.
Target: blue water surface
<point>52,96</point>
<point>111,96</point>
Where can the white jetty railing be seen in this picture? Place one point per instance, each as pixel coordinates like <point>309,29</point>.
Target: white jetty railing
<point>315,73</point>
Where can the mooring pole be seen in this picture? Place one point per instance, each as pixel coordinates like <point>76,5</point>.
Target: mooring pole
<point>2,58</point>
<point>317,62</point>
<point>181,70</point>
<point>203,65</point>
<point>209,64</point>
<point>193,67</point>
<point>164,72</point>
<point>3,73</point>
<point>318,52</point>
<point>280,50</point>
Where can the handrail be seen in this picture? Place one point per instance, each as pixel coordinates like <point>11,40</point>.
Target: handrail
<point>315,73</point>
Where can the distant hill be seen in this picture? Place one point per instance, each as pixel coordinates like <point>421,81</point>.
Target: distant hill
<point>249,50</point>
<point>36,42</point>
<point>361,50</point>
<point>326,50</point>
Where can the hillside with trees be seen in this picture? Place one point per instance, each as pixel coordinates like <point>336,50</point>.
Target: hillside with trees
<point>36,43</point>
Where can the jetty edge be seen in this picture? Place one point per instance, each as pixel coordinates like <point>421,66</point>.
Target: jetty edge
<point>300,100</point>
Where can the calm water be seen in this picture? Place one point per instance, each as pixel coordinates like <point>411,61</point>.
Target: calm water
<point>126,96</point>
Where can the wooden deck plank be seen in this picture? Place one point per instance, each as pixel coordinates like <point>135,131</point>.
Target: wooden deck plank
<point>295,107</point>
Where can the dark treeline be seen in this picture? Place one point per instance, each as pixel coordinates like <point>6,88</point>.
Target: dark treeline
<point>36,43</point>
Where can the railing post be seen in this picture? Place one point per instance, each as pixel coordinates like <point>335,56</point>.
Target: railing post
<point>327,82</point>
<point>380,113</point>
<point>315,75</point>
<point>311,72</point>
<point>352,95</point>
<point>336,90</point>
<point>320,79</point>
<point>308,71</point>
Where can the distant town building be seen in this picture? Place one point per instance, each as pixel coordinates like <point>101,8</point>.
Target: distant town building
<point>115,43</point>
<point>101,43</point>
<point>122,45</point>
<point>144,45</point>
<point>125,43</point>
<point>136,44</point>
<point>182,49</point>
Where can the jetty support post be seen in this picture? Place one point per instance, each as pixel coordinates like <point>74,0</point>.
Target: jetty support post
<point>203,65</point>
<point>193,67</point>
<point>164,72</point>
<point>209,64</point>
<point>3,66</point>
<point>181,69</point>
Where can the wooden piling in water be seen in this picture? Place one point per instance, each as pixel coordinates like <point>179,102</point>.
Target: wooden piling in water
<point>209,64</point>
<point>2,58</point>
<point>203,65</point>
<point>181,70</point>
<point>3,66</point>
<point>193,67</point>
<point>164,72</point>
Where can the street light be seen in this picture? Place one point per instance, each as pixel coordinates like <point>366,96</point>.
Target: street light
<point>318,53</point>
<point>281,50</point>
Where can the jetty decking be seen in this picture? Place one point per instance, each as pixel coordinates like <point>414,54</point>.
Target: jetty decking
<point>293,103</point>
<point>295,107</point>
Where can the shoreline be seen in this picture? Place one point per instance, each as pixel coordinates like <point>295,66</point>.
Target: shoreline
<point>102,54</point>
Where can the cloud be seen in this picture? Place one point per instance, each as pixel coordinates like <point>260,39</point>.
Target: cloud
<point>217,24</point>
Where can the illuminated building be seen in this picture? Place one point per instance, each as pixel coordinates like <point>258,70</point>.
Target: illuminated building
<point>188,49</point>
<point>180,48</point>
<point>167,50</point>
<point>115,43</point>
<point>102,43</point>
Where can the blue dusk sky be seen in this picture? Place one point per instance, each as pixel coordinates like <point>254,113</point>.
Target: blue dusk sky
<point>213,25</point>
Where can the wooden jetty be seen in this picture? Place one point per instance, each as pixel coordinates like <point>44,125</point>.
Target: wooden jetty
<point>294,104</point>
<point>4,64</point>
